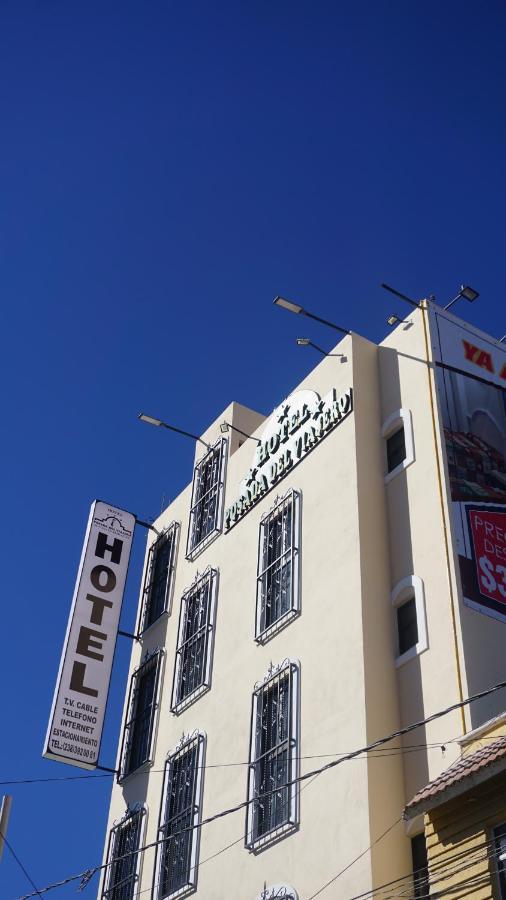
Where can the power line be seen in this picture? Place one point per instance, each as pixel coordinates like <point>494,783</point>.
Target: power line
<point>382,751</point>
<point>88,873</point>
<point>21,866</point>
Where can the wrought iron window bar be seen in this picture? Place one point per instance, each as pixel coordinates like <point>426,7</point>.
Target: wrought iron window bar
<point>158,579</point>
<point>278,566</point>
<point>176,862</point>
<point>142,707</point>
<point>122,873</point>
<point>193,661</point>
<point>206,511</point>
<point>273,758</point>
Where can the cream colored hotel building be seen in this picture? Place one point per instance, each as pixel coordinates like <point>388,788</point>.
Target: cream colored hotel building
<point>302,598</point>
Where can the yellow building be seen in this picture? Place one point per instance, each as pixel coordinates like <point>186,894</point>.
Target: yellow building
<point>465,820</point>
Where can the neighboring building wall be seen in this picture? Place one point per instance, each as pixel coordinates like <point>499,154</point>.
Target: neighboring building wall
<point>459,835</point>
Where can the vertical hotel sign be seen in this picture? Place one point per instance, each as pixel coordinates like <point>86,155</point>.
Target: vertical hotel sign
<point>471,380</point>
<point>77,715</point>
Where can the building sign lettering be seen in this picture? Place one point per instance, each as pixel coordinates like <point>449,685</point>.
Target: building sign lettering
<point>293,430</point>
<point>77,715</point>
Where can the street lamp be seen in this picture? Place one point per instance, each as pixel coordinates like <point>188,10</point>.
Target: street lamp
<point>394,320</point>
<point>305,342</point>
<point>295,308</point>
<point>158,422</point>
<point>465,291</point>
<point>225,426</point>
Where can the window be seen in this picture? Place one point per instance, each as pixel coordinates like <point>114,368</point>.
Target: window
<point>408,601</point>
<point>122,873</point>
<point>397,432</point>
<point>406,625</point>
<point>158,580</point>
<point>500,850</point>
<point>192,671</point>
<point>180,813</point>
<point>142,708</point>
<point>396,449</point>
<point>273,757</point>
<point>278,566</point>
<point>420,866</point>
<point>207,498</point>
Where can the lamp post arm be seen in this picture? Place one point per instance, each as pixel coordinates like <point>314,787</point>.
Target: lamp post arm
<point>325,322</point>
<point>186,434</point>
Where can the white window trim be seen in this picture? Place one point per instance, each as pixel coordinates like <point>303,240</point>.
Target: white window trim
<point>191,886</point>
<point>278,892</point>
<point>122,775</point>
<point>263,636</point>
<point>258,843</point>
<point>179,706</point>
<point>193,550</point>
<point>130,811</point>
<point>411,586</point>
<point>169,588</point>
<point>390,425</point>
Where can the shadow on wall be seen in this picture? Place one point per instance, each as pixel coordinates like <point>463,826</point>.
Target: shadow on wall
<point>409,679</point>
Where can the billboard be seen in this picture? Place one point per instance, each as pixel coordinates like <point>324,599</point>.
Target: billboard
<point>471,382</point>
<point>77,715</point>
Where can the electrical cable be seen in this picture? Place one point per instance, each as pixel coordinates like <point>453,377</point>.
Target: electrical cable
<point>382,751</point>
<point>299,779</point>
<point>21,866</point>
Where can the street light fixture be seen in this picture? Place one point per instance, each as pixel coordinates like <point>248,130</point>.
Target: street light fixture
<point>225,426</point>
<point>305,342</point>
<point>394,320</point>
<point>465,291</point>
<point>295,308</point>
<point>151,420</point>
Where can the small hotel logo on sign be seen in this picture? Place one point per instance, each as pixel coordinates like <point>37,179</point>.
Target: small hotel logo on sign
<point>77,715</point>
<point>293,430</point>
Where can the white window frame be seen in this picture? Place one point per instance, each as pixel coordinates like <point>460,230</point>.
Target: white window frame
<point>399,418</point>
<point>191,885</point>
<point>278,892</point>
<point>411,586</point>
<point>158,654</point>
<point>139,809</point>
<point>194,549</point>
<point>263,635</point>
<point>212,576</point>
<point>253,841</point>
<point>175,528</point>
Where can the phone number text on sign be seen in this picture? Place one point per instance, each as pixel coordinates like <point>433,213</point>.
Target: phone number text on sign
<point>488,531</point>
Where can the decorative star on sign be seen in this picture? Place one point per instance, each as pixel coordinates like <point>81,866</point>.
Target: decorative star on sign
<point>284,414</point>
<point>319,409</point>
<point>250,477</point>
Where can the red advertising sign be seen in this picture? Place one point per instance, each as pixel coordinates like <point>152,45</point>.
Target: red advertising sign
<point>488,531</point>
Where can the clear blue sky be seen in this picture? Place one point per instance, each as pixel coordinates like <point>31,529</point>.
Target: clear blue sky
<point>166,168</point>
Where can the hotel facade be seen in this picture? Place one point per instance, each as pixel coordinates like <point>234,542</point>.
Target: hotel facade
<point>338,577</point>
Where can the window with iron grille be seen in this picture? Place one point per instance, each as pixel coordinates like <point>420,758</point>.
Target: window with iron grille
<point>180,813</point>
<point>272,789</point>
<point>122,873</point>
<point>278,566</point>
<point>207,498</point>
<point>142,710</point>
<point>158,579</point>
<point>192,669</point>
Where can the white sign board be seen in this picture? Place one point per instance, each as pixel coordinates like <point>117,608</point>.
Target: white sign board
<point>77,715</point>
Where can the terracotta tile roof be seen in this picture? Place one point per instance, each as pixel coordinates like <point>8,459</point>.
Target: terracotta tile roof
<point>471,764</point>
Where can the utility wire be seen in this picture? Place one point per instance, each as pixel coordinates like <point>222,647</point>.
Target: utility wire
<point>21,866</point>
<point>308,775</point>
<point>381,751</point>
